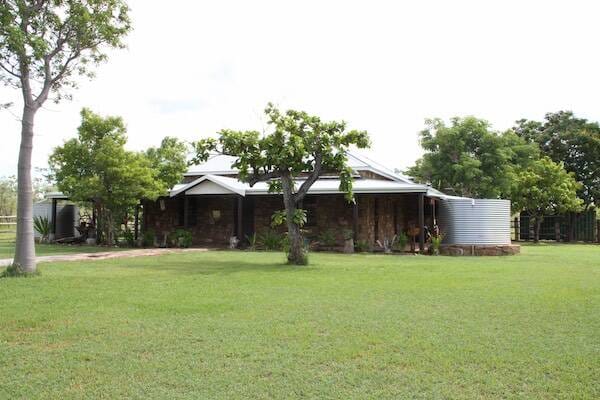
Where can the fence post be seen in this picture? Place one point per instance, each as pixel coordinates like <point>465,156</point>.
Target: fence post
<point>598,231</point>
<point>516,227</point>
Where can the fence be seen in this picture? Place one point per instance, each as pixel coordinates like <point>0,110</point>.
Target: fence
<point>572,227</point>
<point>8,226</point>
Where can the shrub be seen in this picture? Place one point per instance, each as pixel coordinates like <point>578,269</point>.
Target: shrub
<point>327,238</point>
<point>252,240</point>
<point>401,241</point>
<point>148,238</point>
<point>270,240</point>
<point>43,226</point>
<point>387,244</point>
<point>129,237</point>
<point>180,238</point>
<point>362,246</point>
<point>436,243</point>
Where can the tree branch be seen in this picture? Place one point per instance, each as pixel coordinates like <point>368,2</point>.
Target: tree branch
<point>255,178</point>
<point>312,178</point>
<point>10,71</point>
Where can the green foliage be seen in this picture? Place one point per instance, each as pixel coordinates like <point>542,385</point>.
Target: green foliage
<point>169,161</point>
<point>573,141</point>
<point>270,240</point>
<point>362,246</point>
<point>545,188</point>
<point>279,217</point>
<point>96,166</point>
<point>148,238</point>
<point>436,243</point>
<point>252,241</point>
<point>42,226</point>
<point>467,158</point>
<point>327,238</point>
<point>8,196</point>
<point>402,240</point>
<point>298,143</point>
<point>48,43</point>
<point>180,238</point>
<point>15,271</point>
<point>128,237</point>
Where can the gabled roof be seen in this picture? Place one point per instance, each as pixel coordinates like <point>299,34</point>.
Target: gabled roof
<point>219,164</point>
<point>321,186</point>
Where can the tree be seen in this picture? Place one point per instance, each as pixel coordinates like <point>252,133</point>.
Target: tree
<point>96,167</point>
<point>169,160</point>
<point>467,158</point>
<point>573,141</point>
<point>299,143</point>
<point>545,188</point>
<point>44,45</point>
<point>8,196</point>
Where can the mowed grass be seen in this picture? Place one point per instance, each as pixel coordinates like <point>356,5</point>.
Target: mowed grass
<point>240,325</point>
<point>7,247</point>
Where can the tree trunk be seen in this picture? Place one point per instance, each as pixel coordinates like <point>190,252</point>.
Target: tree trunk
<point>296,254</point>
<point>25,248</point>
<point>538,225</point>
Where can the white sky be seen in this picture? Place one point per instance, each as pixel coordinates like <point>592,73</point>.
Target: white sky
<point>192,68</point>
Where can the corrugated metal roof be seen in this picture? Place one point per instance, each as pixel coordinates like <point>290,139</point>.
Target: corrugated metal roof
<point>322,186</point>
<point>219,164</point>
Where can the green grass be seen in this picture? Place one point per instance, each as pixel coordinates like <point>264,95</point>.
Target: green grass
<point>235,325</point>
<point>7,247</point>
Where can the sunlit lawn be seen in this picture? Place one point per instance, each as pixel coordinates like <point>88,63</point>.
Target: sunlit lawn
<point>238,325</point>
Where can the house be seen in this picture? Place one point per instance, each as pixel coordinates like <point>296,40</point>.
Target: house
<point>214,205</point>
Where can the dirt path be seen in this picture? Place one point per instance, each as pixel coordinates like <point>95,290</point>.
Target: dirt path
<point>106,255</point>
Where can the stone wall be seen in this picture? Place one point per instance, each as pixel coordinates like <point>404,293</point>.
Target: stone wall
<point>211,218</point>
<point>379,216</point>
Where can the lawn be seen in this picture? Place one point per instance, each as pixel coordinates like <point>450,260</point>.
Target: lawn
<point>7,248</point>
<point>237,325</point>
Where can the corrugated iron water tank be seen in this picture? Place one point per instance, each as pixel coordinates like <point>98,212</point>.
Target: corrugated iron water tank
<point>465,221</point>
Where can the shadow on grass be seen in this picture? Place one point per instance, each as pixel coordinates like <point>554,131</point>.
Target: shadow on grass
<point>218,267</point>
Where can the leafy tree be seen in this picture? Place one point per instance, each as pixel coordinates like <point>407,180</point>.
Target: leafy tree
<point>573,141</point>
<point>44,46</point>
<point>96,167</point>
<point>8,196</point>
<point>544,188</point>
<point>298,143</point>
<point>467,158</point>
<point>169,160</point>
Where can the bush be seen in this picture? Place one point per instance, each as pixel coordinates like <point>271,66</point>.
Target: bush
<point>180,238</point>
<point>401,241</point>
<point>43,226</point>
<point>348,234</point>
<point>129,238</point>
<point>362,246</point>
<point>270,240</point>
<point>327,238</point>
<point>148,238</point>
<point>15,271</point>
<point>436,243</point>
<point>252,241</point>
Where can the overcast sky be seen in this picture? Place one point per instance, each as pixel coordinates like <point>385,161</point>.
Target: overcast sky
<point>194,67</point>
